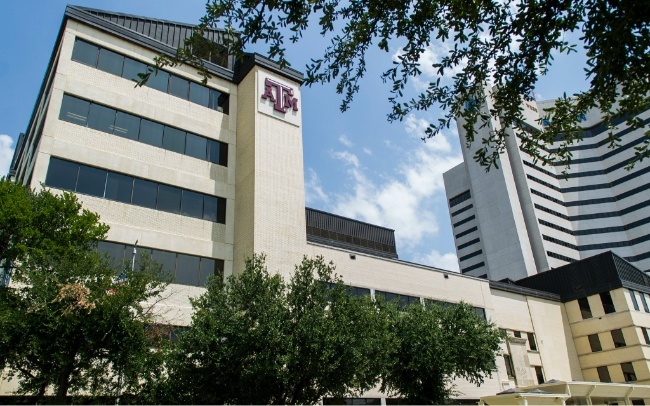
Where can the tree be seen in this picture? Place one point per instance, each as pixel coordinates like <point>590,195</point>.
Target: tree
<point>436,345</point>
<point>261,340</point>
<point>504,42</point>
<point>71,320</point>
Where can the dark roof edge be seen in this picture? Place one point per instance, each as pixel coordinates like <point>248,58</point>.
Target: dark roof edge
<point>243,67</point>
<point>349,219</point>
<point>540,294</point>
<point>350,247</point>
<point>635,286</point>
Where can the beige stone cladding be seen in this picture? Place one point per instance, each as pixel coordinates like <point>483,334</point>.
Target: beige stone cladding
<point>153,229</point>
<point>270,211</point>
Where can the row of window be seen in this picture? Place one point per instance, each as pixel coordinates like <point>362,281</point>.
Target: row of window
<point>645,299</point>
<point>561,257</point>
<point>606,300</point>
<point>454,201</point>
<point>559,242</point>
<point>617,337</point>
<point>184,269</point>
<point>470,255</point>
<point>120,65</point>
<point>472,267</point>
<point>469,243</point>
<point>111,121</point>
<point>555,226</point>
<point>464,209</point>
<point>627,368</point>
<point>464,233</point>
<point>603,142</point>
<point>97,182</point>
<point>547,197</point>
<point>465,220</point>
<point>510,370</point>
<point>602,230</point>
<point>593,216</point>
<point>532,343</point>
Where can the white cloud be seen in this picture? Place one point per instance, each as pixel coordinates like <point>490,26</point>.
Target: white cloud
<point>343,139</point>
<point>367,151</point>
<point>347,157</point>
<point>313,189</point>
<point>448,261</point>
<point>6,153</point>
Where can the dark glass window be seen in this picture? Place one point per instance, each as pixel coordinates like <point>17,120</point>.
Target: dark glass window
<point>174,140</point>
<point>101,118</point>
<point>603,374</point>
<point>119,187</point>
<point>594,343</point>
<point>62,174</point>
<point>516,334</point>
<point>192,204</point>
<point>628,372</point>
<point>74,110</point>
<point>199,94</point>
<point>144,193</point>
<point>110,62</point>
<point>85,53</point>
<point>159,81</point>
<point>634,301</point>
<point>209,208</point>
<point>114,251</point>
<point>169,199</point>
<point>480,312</point>
<point>221,210</point>
<point>585,309</point>
<point>356,291</point>
<point>195,146</point>
<point>209,267</point>
<point>91,181</point>
<point>540,375</point>
<point>132,68</point>
<point>644,302</point>
<point>127,125</point>
<point>166,259</point>
<point>608,303</point>
<point>619,339</point>
<point>509,368</point>
<point>178,87</point>
<point>151,133</point>
<point>219,101</point>
<point>646,337</point>
<point>187,270</point>
<point>214,151</point>
<point>532,344</point>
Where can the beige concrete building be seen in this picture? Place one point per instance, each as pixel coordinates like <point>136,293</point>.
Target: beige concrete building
<point>203,175</point>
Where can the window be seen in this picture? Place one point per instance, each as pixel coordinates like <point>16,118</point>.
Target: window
<point>480,312</point>
<point>159,81</point>
<point>192,204</point>
<point>619,339</point>
<point>646,337</point>
<point>209,208</point>
<point>62,174</point>
<point>101,118</point>
<point>196,146</point>
<point>85,53</point>
<point>169,199</point>
<point>91,181</point>
<point>509,368</point>
<point>634,301</point>
<point>174,140</point>
<point>218,152</point>
<point>110,62</point>
<point>585,309</point>
<point>187,270</point>
<point>454,201</point>
<point>516,334</point>
<point>166,259</point>
<point>603,374</point>
<point>644,302</point>
<point>209,267</point>
<point>594,343</point>
<point>127,125</point>
<point>179,87</point>
<point>114,251</point>
<point>540,375</point>
<point>199,94</point>
<point>144,193</point>
<point>402,300</point>
<point>151,133</point>
<point>532,344</point>
<point>608,303</point>
<point>219,101</point>
<point>119,187</point>
<point>74,110</point>
<point>133,68</point>
<point>628,372</point>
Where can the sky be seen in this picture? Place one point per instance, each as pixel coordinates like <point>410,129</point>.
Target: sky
<point>356,163</point>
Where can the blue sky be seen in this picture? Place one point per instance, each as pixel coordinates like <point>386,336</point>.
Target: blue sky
<point>356,163</point>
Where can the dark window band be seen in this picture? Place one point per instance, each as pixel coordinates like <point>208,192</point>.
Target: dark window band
<point>560,257</point>
<point>128,68</point>
<point>463,221</point>
<point>472,267</point>
<point>83,179</point>
<point>454,201</point>
<point>560,242</point>
<point>464,209</point>
<point>470,255</point>
<point>547,197</point>
<point>555,227</point>
<point>96,116</point>
<point>464,233</point>
<point>469,243</point>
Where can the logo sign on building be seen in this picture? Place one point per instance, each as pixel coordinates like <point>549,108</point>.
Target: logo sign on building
<point>278,98</point>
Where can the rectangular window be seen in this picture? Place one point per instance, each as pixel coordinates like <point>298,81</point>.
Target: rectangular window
<point>74,110</point>
<point>119,187</point>
<point>192,204</point>
<point>127,126</point>
<point>646,337</point>
<point>516,334</point>
<point>91,181</point>
<point>219,101</point>
<point>144,193</point>
<point>133,68</point>
<point>174,140</point>
<point>196,146</point>
<point>628,372</point>
<point>178,87</point>
<point>603,374</point>
<point>115,252</point>
<point>62,174</point>
<point>509,368</point>
<point>619,339</point>
<point>532,344</point>
<point>594,343</point>
<point>218,152</point>
<point>585,309</point>
<point>608,303</point>
<point>199,94</point>
<point>210,267</point>
<point>151,133</point>
<point>110,62</point>
<point>169,199</point>
<point>85,53</point>
<point>159,81</point>
<point>634,301</point>
<point>166,259</point>
<point>644,302</point>
<point>540,375</point>
<point>221,210</point>
<point>187,270</point>
<point>101,118</point>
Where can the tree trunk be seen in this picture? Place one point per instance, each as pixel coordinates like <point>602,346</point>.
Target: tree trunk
<point>63,381</point>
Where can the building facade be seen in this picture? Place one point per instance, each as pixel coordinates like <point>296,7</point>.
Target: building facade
<point>525,218</point>
<point>203,175</point>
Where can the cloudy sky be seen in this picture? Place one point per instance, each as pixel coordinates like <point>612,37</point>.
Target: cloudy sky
<point>356,163</point>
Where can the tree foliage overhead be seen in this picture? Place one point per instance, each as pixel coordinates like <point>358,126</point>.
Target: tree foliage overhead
<point>508,43</point>
<point>70,321</point>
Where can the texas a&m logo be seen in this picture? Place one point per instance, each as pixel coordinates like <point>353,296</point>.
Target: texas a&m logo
<point>280,95</point>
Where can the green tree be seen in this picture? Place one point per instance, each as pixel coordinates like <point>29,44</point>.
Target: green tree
<point>261,340</point>
<point>70,320</point>
<point>436,345</point>
<point>505,42</point>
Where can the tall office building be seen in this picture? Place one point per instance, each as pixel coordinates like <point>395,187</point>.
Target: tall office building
<point>524,218</point>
